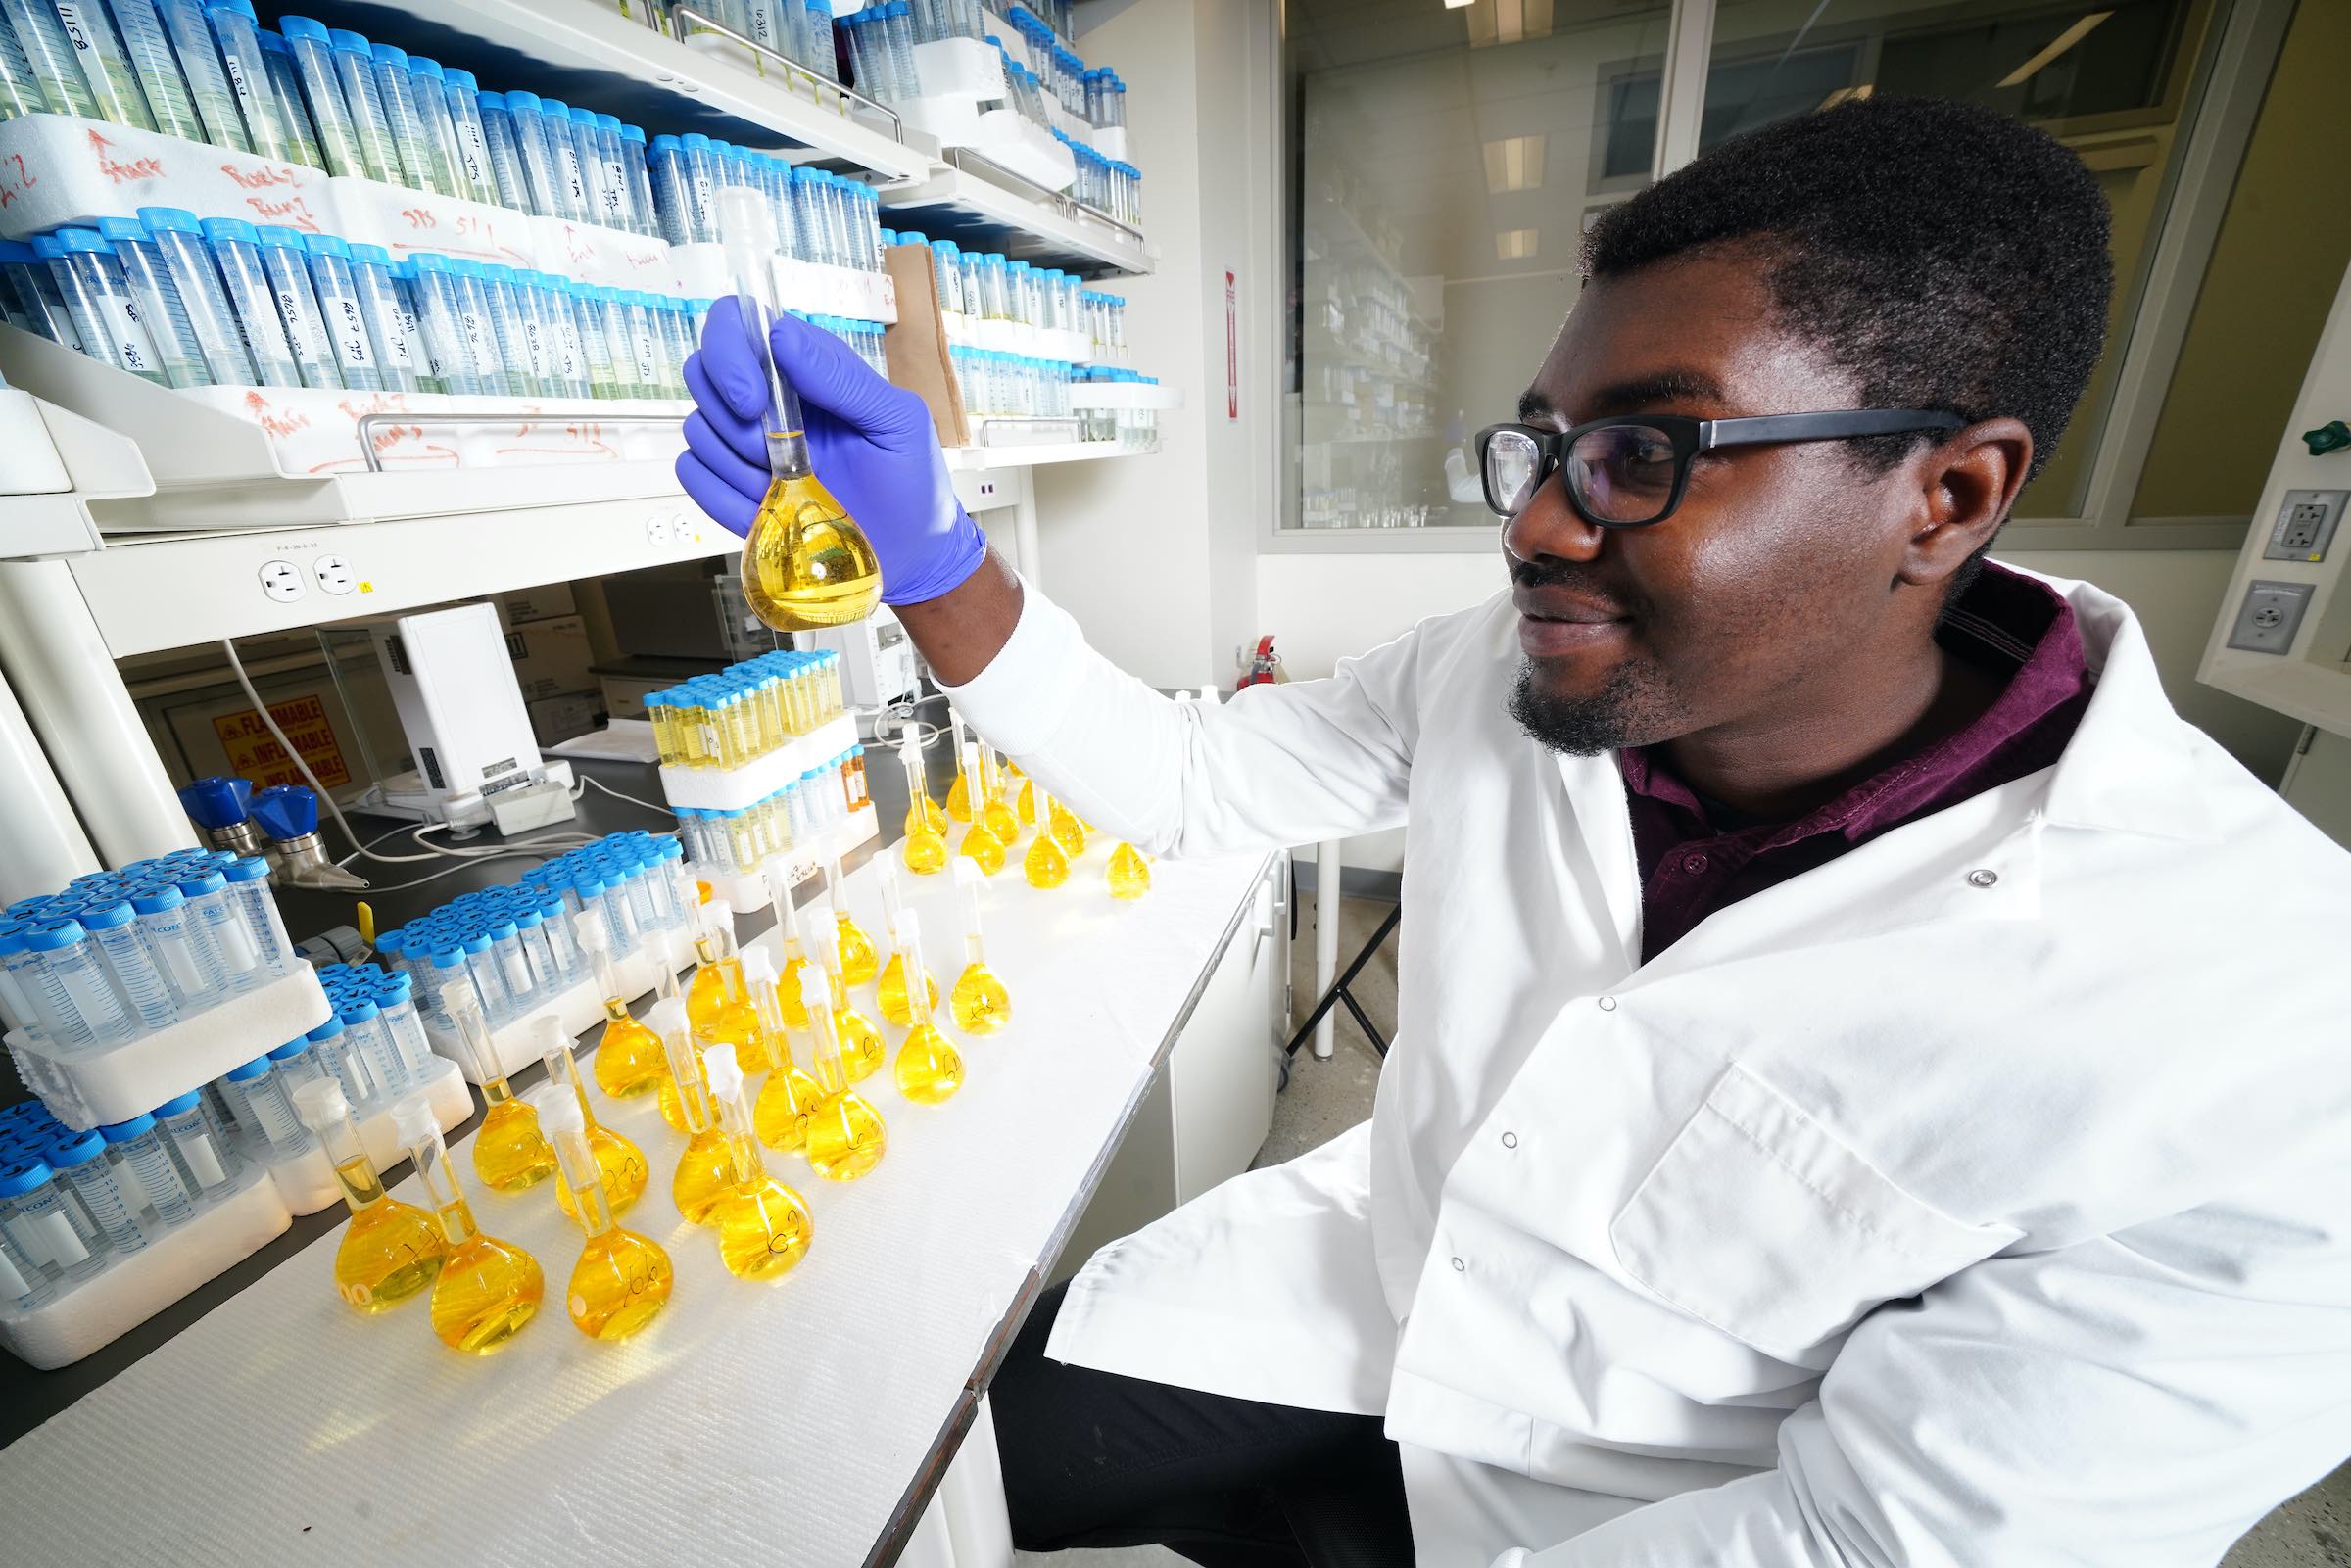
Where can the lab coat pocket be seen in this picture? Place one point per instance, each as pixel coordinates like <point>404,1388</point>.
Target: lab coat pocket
<point>1759,1222</point>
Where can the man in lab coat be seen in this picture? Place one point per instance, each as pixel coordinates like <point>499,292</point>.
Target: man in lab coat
<point>1870,1084</point>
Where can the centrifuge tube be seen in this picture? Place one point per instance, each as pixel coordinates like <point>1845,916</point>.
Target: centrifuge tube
<point>929,1068</point>
<point>805,562</point>
<point>855,950</point>
<point>285,88</point>
<point>1129,873</point>
<point>239,37</point>
<point>283,258</point>
<point>391,1249</point>
<point>1048,863</point>
<point>113,85</point>
<point>622,1162</point>
<point>353,60</point>
<point>979,1003</point>
<point>846,1135</point>
<point>148,50</point>
<point>861,1048</point>
<point>49,54</point>
<point>764,1227</point>
<point>488,1289</point>
<point>779,1116</point>
<point>510,1152</point>
<point>622,1280</point>
<point>627,1059</point>
<point>924,851</point>
<point>703,1170</point>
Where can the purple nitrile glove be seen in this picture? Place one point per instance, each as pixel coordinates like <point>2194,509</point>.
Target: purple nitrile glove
<point>870,444</point>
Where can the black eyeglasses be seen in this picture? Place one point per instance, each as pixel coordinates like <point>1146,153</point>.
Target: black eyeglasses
<point>1630,471</point>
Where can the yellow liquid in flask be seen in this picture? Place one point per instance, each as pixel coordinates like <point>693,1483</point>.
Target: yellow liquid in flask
<point>891,990</point>
<point>763,1230</point>
<point>805,565</point>
<point>390,1251</point>
<point>1129,873</point>
<point>486,1292</point>
<point>979,1002</point>
<point>930,1069</point>
<point>627,1059</point>
<point>620,1284</point>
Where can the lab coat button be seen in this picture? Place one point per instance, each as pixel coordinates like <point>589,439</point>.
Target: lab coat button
<point>1608,1004</point>
<point>1982,876</point>
<point>1458,1266</point>
<point>1510,1140</point>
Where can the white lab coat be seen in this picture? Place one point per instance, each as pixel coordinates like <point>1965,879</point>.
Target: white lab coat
<point>1980,1198</point>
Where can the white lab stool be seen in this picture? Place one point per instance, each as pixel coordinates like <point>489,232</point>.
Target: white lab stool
<point>966,1525</point>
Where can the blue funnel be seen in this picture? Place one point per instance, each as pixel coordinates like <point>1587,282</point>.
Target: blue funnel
<point>286,811</point>
<point>220,802</point>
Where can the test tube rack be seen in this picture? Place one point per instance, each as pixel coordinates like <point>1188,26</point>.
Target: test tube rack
<point>736,788</point>
<point>746,892</point>
<point>134,1287</point>
<point>86,1087</point>
<point>307,1181</point>
<point>577,1009</point>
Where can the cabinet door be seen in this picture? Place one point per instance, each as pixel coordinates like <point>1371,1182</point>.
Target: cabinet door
<point>1226,1065</point>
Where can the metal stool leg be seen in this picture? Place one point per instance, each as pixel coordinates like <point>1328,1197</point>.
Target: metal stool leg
<point>1339,991</point>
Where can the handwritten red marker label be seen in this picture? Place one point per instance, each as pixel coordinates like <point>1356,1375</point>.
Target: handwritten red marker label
<point>419,218</point>
<point>14,179</point>
<point>117,171</point>
<point>261,178</point>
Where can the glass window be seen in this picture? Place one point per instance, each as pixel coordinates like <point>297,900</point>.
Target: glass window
<point>2115,80</point>
<point>1450,158</point>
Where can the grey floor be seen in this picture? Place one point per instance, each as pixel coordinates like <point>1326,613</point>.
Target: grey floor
<point>1327,1097</point>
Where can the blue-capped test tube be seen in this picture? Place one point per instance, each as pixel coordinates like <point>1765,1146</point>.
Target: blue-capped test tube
<point>396,1001</point>
<point>213,912</point>
<point>312,51</point>
<point>37,293</point>
<point>145,1172</point>
<point>50,58</point>
<point>398,88</point>
<point>477,325</point>
<point>640,182</point>
<point>533,145</point>
<point>596,346</point>
<point>571,172</point>
<point>80,1003</point>
<point>105,66</point>
<point>381,312</point>
<point>338,291</point>
<point>147,46</point>
<point>698,166</point>
<point>338,1056</point>
<point>665,176</point>
<point>248,880</point>
<point>512,322</point>
<point>251,301</point>
<point>239,38</point>
<point>808,200</point>
<point>258,1095</point>
<point>50,1230</point>
<point>84,1176</point>
<point>155,299</point>
<point>98,297</point>
<point>196,279</point>
<point>210,95</point>
<point>114,933</point>
<point>591,155</point>
<point>293,114</point>
<point>505,147</point>
<point>461,95</point>
<point>363,1026</point>
<point>198,1146</point>
<point>285,259</point>
<point>441,327</point>
<point>20,92</point>
<point>775,177</point>
<point>353,60</point>
<point>566,356</point>
<point>612,314</point>
<point>429,86</point>
<point>408,290</point>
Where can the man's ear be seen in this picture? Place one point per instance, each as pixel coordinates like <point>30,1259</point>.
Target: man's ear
<point>1967,483</point>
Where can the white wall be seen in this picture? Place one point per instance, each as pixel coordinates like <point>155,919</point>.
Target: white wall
<point>1156,556</point>
<point>1322,607</point>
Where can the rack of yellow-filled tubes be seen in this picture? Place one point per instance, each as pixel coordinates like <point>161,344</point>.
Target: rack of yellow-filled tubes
<point>752,1068</point>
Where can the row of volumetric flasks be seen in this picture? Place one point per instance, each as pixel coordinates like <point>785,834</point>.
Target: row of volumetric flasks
<point>747,710</point>
<point>72,1203</point>
<point>737,843</point>
<point>990,286</point>
<point>322,97</point>
<point>125,953</point>
<point>829,220</point>
<point>224,303</point>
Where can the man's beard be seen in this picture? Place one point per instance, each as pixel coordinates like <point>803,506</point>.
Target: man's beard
<point>1627,710</point>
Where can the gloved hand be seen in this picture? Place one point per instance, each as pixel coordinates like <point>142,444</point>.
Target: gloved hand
<point>871,445</point>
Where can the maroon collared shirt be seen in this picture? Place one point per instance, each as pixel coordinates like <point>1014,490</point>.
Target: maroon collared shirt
<point>1695,859</point>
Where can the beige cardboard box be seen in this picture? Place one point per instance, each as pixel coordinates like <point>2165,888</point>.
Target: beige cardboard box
<point>547,602</point>
<point>560,718</point>
<point>551,657</point>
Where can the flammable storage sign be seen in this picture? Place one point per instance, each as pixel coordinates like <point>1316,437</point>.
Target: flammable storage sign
<point>254,753</point>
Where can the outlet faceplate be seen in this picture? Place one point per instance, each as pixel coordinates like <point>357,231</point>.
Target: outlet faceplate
<point>282,581</point>
<point>335,575</point>
<point>2269,617</point>
<point>2305,525</point>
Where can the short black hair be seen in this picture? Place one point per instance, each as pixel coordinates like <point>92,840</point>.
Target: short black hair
<point>1949,257</point>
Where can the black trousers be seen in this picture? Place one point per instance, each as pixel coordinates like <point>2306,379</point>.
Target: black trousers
<point>1095,1459</point>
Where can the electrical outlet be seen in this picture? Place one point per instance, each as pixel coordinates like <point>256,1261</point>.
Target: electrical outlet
<point>657,530</point>
<point>335,575</point>
<point>2269,617</point>
<point>2306,524</point>
<point>282,581</point>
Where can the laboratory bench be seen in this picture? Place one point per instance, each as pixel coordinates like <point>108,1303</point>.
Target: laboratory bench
<point>812,1419</point>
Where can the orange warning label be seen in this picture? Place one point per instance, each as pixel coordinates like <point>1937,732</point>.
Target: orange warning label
<point>254,753</point>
